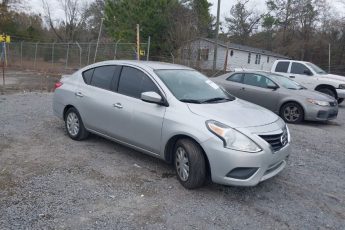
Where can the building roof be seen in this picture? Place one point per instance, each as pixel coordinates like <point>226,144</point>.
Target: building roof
<point>246,48</point>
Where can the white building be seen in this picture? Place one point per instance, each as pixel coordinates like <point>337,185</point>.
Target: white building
<point>200,52</point>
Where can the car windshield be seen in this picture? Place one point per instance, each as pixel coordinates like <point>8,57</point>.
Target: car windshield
<point>286,82</point>
<point>192,87</point>
<point>317,69</point>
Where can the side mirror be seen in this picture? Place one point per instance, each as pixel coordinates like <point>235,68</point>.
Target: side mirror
<point>308,72</point>
<point>273,87</point>
<point>151,97</point>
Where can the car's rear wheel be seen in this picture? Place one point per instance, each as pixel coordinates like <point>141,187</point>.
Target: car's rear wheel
<point>74,125</point>
<point>292,112</point>
<point>189,163</point>
<point>340,100</point>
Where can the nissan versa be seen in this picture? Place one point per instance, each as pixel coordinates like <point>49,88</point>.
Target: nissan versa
<point>176,114</point>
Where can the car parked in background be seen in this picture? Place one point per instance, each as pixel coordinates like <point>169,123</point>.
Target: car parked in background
<point>312,77</point>
<point>281,95</point>
<point>178,115</point>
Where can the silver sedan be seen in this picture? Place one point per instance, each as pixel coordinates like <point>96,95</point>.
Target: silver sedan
<point>293,102</point>
<point>178,115</point>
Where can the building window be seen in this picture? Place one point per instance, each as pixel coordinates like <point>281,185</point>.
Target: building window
<point>249,56</point>
<point>203,54</point>
<point>257,59</point>
<point>268,59</point>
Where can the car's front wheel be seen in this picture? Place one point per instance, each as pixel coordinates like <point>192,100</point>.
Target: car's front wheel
<point>189,163</point>
<point>292,112</point>
<point>74,125</point>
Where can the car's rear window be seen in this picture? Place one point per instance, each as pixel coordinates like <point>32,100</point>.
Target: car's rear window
<point>282,67</point>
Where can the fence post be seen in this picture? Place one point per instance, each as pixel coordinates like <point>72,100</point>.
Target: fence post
<point>21,54</point>
<point>80,53</point>
<point>173,58</point>
<point>148,48</point>
<point>35,55</point>
<point>88,55</point>
<point>116,48</point>
<point>53,50</point>
<point>67,53</point>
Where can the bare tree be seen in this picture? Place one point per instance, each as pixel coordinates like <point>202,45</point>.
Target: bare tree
<point>73,18</point>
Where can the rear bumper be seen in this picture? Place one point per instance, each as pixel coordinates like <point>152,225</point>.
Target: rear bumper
<point>341,93</point>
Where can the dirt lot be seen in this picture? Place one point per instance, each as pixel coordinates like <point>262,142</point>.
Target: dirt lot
<point>48,181</point>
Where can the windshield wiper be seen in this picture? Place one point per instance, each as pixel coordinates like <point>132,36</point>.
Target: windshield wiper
<point>216,99</point>
<point>191,101</point>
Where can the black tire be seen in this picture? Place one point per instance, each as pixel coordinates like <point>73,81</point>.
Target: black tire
<point>292,117</point>
<point>82,132</point>
<point>327,91</point>
<point>340,100</point>
<point>196,163</point>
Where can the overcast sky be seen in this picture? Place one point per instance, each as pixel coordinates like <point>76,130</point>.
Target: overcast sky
<point>258,5</point>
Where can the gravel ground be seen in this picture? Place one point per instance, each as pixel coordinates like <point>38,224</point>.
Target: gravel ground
<point>48,181</point>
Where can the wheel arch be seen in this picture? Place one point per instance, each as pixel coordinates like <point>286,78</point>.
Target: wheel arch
<point>67,107</point>
<point>169,150</point>
<point>330,87</point>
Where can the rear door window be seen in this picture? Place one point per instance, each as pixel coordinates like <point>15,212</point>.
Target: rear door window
<point>133,82</point>
<point>257,80</point>
<point>103,76</point>
<point>298,68</point>
<point>282,67</point>
<point>237,77</point>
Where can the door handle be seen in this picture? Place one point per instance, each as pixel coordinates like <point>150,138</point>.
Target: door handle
<point>291,76</point>
<point>79,94</point>
<point>118,105</point>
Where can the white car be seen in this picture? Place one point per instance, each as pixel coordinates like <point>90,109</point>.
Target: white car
<point>312,77</point>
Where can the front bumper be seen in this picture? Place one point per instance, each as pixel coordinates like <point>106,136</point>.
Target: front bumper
<point>341,93</point>
<point>223,162</point>
<point>320,113</point>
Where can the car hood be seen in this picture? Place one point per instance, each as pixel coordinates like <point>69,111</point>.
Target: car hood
<point>333,77</point>
<point>236,113</point>
<point>313,95</point>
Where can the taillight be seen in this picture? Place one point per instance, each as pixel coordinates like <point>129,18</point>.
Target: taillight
<point>58,84</point>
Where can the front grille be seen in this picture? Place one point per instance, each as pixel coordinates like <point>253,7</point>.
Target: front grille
<point>332,104</point>
<point>277,141</point>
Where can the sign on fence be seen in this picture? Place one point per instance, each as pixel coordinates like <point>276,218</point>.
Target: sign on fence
<point>5,38</point>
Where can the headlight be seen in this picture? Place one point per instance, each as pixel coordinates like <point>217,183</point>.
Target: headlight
<point>317,102</point>
<point>342,86</point>
<point>232,138</point>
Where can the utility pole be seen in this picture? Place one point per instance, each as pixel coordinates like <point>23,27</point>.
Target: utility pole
<point>148,48</point>
<point>329,57</point>
<point>226,57</point>
<point>217,36</point>
<point>99,35</point>
<point>138,42</point>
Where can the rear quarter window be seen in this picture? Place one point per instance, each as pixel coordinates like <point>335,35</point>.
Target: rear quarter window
<point>282,67</point>
<point>87,76</point>
<point>237,77</point>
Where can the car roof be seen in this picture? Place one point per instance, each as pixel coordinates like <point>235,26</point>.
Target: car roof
<point>154,65</point>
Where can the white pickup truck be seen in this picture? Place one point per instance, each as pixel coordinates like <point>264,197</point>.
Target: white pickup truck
<point>312,77</point>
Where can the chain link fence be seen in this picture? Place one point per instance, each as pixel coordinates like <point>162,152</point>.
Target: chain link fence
<point>67,57</point>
